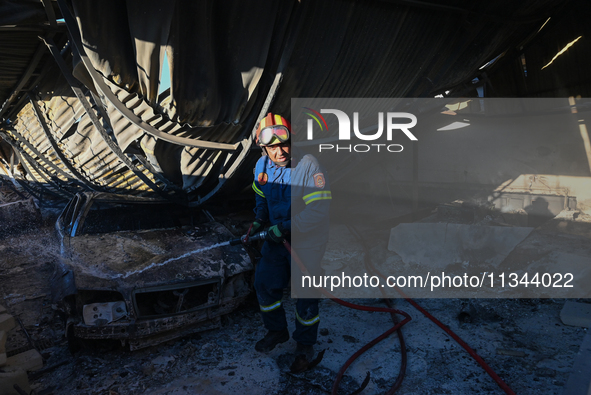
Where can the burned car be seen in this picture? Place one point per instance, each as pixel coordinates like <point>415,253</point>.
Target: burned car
<point>143,271</point>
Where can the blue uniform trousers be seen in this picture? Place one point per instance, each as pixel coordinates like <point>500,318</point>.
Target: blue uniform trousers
<point>272,276</point>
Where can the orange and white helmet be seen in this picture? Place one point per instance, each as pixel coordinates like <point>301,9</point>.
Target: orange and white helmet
<point>273,129</point>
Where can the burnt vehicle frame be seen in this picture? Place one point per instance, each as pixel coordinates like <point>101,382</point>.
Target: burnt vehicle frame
<point>137,281</point>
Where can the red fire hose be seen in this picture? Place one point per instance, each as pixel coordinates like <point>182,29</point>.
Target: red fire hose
<point>395,328</point>
<point>459,340</point>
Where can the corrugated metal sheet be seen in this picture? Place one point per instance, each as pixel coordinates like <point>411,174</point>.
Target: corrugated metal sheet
<point>81,144</point>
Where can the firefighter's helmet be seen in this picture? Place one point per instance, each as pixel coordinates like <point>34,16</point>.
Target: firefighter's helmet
<point>273,129</point>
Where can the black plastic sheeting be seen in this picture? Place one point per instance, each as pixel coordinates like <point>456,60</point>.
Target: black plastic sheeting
<point>344,49</point>
<point>216,49</point>
<point>225,57</point>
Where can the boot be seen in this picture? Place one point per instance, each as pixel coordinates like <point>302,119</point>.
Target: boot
<point>303,358</point>
<point>271,339</point>
<point>305,350</point>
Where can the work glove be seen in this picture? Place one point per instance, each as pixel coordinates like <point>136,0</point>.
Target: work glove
<point>276,233</point>
<point>256,226</point>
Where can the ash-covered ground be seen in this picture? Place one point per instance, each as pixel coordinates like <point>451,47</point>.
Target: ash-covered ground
<point>523,340</point>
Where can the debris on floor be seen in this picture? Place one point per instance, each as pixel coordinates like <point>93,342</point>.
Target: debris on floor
<point>14,368</point>
<point>523,340</point>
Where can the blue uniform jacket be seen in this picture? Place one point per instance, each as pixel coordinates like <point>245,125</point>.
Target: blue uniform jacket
<point>297,196</point>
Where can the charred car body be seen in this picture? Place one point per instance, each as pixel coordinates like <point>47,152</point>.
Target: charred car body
<point>140,271</point>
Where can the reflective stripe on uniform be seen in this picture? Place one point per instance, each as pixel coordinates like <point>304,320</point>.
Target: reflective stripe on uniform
<point>257,190</point>
<point>320,195</point>
<point>309,322</point>
<point>270,307</point>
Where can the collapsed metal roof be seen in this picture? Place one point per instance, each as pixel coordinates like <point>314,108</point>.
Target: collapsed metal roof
<point>79,80</point>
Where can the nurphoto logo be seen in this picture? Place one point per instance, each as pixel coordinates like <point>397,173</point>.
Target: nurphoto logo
<point>395,122</point>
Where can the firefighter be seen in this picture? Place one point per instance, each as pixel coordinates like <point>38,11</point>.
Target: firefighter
<point>282,176</point>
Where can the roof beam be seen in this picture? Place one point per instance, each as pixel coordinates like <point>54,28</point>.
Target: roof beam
<point>114,100</point>
<point>24,78</point>
<point>96,122</point>
<point>39,52</point>
<point>60,27</point>
<point>49,12</point>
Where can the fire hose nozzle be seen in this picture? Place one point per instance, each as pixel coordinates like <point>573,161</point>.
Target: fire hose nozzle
<point>243,240</point>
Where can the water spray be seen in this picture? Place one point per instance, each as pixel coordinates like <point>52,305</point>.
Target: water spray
<point>152,265</point>
<point>241,240</point>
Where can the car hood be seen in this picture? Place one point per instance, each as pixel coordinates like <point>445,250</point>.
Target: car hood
<point>144,258</point>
